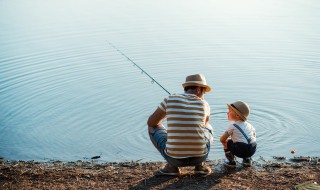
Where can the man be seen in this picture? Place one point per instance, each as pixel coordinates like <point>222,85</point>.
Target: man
<point>188,137</point>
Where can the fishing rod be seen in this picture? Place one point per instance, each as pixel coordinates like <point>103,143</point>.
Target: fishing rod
<point>142,71</point>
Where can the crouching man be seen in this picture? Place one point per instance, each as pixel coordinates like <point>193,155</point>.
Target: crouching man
<point>188,137</point>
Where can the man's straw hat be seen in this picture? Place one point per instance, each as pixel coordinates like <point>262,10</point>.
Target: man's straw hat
<point>241,108</point>
<point>197,80</point>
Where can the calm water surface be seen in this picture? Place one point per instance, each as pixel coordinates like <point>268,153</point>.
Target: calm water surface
<point>66,94</point>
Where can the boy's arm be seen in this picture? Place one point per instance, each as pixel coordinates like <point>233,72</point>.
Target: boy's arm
<point>224,137</point>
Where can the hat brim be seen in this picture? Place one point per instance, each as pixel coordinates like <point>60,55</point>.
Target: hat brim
<point>237,112</point>
<point>208,89</point>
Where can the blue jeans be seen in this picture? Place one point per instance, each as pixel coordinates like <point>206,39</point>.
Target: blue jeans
<point>159,135</point>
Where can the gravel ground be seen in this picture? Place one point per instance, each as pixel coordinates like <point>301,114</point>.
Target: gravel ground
<point>277,174</point>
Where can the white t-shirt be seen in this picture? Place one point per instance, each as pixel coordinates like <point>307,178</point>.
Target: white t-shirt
<point>237,136</point>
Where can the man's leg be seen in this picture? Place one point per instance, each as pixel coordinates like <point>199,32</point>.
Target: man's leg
<point>150,131</point>
<point>158,136</point>
<point>201,168</point>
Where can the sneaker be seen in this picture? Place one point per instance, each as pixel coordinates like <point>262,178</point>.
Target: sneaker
<point>246,162</point>
<point>170,170</point>
<point>202,169</point>
<point>229,164</point>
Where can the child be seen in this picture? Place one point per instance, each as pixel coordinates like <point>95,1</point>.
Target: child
<point>243,136</point>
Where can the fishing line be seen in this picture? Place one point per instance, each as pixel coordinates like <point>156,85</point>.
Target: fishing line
<point>142,71</point>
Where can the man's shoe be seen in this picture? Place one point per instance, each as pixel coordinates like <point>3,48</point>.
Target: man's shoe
<point>246,162</point>
<point>170,170</point>
<point>229,164</point>
<point>202,169</point>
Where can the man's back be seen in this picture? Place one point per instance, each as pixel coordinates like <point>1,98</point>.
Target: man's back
<point>186,116</point>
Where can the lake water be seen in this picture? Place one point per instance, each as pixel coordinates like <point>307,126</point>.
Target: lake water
<point>66,94</point>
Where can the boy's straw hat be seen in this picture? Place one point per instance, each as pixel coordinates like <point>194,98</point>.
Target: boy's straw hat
<point>197,80</point>
<point>241,108</point>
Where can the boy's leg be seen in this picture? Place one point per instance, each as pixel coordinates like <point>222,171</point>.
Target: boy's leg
<point>230,162</point>
<point>247,161</point>
<point>229,155</point>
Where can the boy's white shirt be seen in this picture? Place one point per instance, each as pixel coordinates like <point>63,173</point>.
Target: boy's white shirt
<point>237,136</point>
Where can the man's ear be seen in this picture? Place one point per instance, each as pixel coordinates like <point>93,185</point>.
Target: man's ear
<point>198,89</point>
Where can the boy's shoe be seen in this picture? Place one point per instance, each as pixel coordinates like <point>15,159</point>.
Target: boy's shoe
<point>170,170</point>
<point>229,164</point>
<point>230,161</point>
<point>202,169</point>
<point>246,162</point>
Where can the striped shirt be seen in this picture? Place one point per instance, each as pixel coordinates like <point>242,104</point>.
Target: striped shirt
<point>186,116</point>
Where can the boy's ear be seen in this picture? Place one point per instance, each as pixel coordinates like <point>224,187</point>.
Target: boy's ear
<point>239,117</point>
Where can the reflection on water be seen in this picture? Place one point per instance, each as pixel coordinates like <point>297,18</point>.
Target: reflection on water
<point>65,93</point>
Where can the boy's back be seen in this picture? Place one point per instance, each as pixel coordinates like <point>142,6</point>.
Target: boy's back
<point>246,127</point>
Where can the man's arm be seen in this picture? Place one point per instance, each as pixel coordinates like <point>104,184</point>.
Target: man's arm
<point>156,118</point>
<point>154,121</point>
<point>207,120</point>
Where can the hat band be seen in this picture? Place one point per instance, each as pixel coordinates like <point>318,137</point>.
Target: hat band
<point>235,107</point>
<point>241,115</point>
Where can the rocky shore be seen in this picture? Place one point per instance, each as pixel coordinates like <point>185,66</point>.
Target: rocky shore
<point>280,173</point>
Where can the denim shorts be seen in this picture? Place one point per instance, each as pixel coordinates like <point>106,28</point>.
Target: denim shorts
<point>159,135</point>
